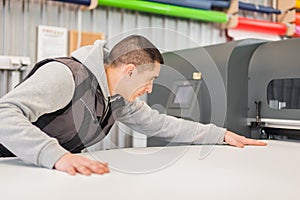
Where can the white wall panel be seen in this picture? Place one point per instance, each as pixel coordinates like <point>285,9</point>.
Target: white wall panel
<point>25,35</point>
<point>2,20</point>
<point>129,21</point>
<point>169,25</point>
<point>99,20</point>
<point>35,19</point>
<point>6,22</point>
<point>15,28</point>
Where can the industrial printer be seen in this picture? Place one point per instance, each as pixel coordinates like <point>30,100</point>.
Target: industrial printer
<point>251,87</point>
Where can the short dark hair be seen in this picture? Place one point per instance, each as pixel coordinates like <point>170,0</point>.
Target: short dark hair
<point>134,49</point>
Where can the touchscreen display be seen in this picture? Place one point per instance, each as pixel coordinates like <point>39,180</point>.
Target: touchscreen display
<point>183,94</point>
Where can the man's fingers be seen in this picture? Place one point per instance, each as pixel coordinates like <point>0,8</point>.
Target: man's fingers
<point>73,164</point>
<point>240,141</point>
<point>99,169</point>
<point>104,164</point>
<point>255,142</point>
<point>239,144</point>
<point>83,170</point>
<point>248,141</point>
<point>71,171</point>
<point>94,166</point>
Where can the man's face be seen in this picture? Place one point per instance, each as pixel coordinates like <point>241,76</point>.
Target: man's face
<point>140,82</point>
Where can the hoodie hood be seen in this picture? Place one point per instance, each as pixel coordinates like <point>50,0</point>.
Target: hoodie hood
<point>93,57</point>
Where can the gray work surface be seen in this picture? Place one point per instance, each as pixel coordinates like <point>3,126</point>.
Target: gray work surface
<point>180,172</point>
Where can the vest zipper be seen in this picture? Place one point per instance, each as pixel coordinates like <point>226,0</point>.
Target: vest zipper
<point>94,117</point>
<point>105,111</point>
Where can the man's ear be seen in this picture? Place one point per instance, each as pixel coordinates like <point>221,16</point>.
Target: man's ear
<point>129,69</point>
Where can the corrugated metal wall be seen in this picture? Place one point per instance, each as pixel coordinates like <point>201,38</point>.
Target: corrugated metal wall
<point>19,20</point>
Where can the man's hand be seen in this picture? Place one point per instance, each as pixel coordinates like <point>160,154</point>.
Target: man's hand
<point>240,141</point>
<point>73,164</point>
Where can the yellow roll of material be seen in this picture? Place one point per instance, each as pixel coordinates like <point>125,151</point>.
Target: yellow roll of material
<point>298,4</point>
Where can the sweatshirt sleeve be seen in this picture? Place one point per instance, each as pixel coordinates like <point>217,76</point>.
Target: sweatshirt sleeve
<point>140,117</point>
<point>49,89</point>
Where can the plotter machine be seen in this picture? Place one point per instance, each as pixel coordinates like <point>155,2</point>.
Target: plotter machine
<point>251,87</point>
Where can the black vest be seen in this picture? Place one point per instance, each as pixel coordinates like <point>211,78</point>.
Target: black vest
<point>86,120</point>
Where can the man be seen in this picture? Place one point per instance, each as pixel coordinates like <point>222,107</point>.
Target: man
<point>67,104</point>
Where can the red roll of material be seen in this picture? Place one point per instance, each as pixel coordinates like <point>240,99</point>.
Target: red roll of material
<point>297,31</point>
<point>261,26</point>
<point>297,18</point>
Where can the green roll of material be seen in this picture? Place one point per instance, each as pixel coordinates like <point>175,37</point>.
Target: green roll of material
<point>164,9</point>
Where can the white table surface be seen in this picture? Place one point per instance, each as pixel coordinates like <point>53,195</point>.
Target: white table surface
<point>183,172</point>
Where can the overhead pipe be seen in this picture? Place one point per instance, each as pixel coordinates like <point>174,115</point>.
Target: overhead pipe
<point>261,26</point>
<point>258,8</point>
<point>86,4</point>
<point>169,10</point>
<point>204,5</point>
<point>79,2</point>
<point>209,4</point>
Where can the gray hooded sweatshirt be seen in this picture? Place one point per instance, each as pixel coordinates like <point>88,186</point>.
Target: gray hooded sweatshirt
<point>51,88</point>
